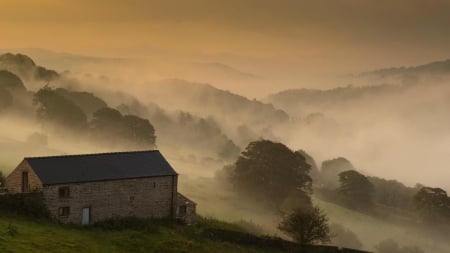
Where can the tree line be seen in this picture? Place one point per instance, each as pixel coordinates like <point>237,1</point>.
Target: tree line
<point>271,174</point>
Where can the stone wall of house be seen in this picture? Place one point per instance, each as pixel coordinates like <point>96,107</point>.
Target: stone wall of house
<point>186,210</point>
<point>141,197</point>
<point>14,180</point>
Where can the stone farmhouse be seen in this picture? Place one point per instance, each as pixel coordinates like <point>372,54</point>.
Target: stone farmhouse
<point>83,189</point>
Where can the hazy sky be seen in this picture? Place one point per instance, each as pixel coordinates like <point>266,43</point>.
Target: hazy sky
<point>335,36</point>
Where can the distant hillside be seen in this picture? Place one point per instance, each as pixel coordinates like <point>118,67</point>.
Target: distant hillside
<point>434,68</point>
<point>206,100</point>
<point>302,100</point>
<point>224,71</point>
<point>24,67</point>
<point>55,60</point>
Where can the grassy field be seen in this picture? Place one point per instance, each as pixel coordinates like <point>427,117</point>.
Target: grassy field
<point>219,201</point>
<point>44,236</point>
<point>371,230</point>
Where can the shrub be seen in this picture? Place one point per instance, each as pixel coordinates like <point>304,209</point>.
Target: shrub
<point>28,204</point>
<point>306,226</point>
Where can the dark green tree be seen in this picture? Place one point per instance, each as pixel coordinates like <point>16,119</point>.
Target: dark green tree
<point>392,193</point>
<point>54,108</point>
<point>88,102</point>
<point>356,191</point>
<point>330,170</point>
<point>139,131</point>
<point>107,122</point>
<point>433,205</point>
<point>314,172</point>
<point>10,81</point>
<point>112,127</point>
<point>270,172</point>
<point>306,226</point>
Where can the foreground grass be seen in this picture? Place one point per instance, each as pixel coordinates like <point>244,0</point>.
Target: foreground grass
<point>44,236</point>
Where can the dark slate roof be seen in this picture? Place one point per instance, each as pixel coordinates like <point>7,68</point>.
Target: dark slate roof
<point>100,167</point>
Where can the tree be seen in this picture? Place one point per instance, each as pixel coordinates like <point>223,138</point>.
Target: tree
<point>139,131</point>
<point>330,170</point>
<point>314,172</point>
<point>433,205</point>
<point>55,108</point>
<point>110,125</point>
<point>88,102</point>
<point>306,226</point>
<point>356,190</point>
<point>10,81</point>
<point>269,172</point>
<point>107,121</point>
<point>392,193</point>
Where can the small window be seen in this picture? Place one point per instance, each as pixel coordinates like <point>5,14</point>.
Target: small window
<point>64,192</point>
<point>182,210</point>
<point>25,186</point>
<point>64,211</point>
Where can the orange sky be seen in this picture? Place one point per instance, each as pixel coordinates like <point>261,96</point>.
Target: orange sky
<point>335,36</point>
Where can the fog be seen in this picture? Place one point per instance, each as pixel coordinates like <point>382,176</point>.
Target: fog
<point>212,76</point>
<point>390,127</point>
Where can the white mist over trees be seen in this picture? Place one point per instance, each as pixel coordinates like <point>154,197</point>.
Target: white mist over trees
<point>360,133</point>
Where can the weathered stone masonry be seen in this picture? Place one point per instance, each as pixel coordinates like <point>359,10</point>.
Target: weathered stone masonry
<point>141,197</point>
<point>14,180</point>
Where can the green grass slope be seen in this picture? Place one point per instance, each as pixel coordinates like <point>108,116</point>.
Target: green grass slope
<point>44,236</point>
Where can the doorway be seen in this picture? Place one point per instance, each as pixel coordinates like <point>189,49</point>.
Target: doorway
<point>86,217</point>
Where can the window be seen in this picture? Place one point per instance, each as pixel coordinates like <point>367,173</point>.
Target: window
<point>64,192</point>
<point>64,211</point>
<point>182,210</point>
<point>25,181</point>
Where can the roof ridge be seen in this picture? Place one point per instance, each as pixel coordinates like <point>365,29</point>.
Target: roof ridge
<point>94,154</point>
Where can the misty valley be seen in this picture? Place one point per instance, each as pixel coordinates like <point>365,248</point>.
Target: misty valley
<point>366,162</point>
